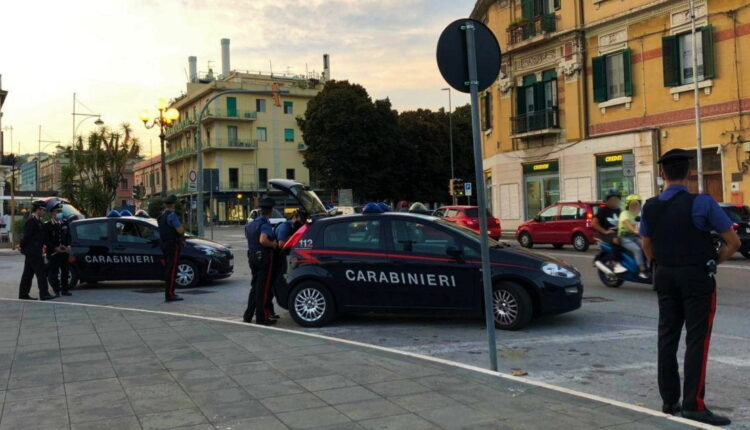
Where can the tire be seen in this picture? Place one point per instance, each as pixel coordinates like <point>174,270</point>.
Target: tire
<point>580,243</point>
<point>745,254</point>
<point>557,245</point>
<point>511,306</point>
<point>525,240</point>
<point>611,282</point>
<point>187,274</point>
<point>311,305</point>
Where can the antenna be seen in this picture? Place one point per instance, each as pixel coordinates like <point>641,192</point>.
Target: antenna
<point>270,64</point>
<point>187,78</point>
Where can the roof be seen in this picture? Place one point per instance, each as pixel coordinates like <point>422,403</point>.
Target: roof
<point>480,9</point>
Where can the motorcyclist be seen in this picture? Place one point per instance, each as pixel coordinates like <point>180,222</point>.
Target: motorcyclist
<point>605,223</point>
<point>627,231</point>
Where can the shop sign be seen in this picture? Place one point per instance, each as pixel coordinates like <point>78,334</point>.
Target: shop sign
<point>542,167</point>
<point>611,160</point>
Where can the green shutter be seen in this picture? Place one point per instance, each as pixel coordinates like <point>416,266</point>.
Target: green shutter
<point>670,49</point>
<point>528,80</point>
<point>598,64</point>
<point>709,66</point>
<point>520,100</point>
<point>549,75</point>
<point>231,106</point>
<point>557,4</point>
<point>527,9</point>
<point>627,65</point>
<point>540,102</point>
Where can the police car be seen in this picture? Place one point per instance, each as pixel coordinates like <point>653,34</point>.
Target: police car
<point>127,249</point>
<point>403,262</point>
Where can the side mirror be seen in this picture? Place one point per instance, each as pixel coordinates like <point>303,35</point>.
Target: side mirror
<point>455,252</point>
<point>538,218</point>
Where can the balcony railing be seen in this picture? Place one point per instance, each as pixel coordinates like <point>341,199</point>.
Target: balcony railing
<point>227,143</point>
<point>542,24</point>
<point>219,113</point>
<point>542,121</point>
<point>179,127</point>
<point>236,186</point>
<point>181,189</point>
<point>179,153</point>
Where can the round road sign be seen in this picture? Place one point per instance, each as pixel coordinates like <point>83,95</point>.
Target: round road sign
<point>451,55</point>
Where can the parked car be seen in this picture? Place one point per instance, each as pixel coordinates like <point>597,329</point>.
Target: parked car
<point>468,216</point>
<point>561,224</point>
<point>739,214</point>
<point>276,216</point>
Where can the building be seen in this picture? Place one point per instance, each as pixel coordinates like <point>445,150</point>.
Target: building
<point>587,86</point>
<point>5,168</point>
<point>28,176</point>
<point>147,175</point>
<point>50,171</point>
<point>124,195</point>
<point>247,139</point>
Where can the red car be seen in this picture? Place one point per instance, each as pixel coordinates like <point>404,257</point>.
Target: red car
<point>561,224</point>
<point>468,216</point>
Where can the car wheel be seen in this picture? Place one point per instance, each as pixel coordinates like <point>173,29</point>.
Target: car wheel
<point>525,240</point>
<point>311,305</point>
<point>580,243</point>
<point>745,254</point>
<point>186,275</point>
<point>557,245</point>
<point>511,306</point>
<point>611,281</point>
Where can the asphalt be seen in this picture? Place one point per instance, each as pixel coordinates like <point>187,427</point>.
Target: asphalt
<point>75,367</point>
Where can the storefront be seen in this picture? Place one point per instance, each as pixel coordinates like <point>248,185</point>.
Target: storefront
<point>541,185</point>
<point>610,175</point>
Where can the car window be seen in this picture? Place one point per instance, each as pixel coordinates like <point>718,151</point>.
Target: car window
<point>568,212</point>
<point>94,231</point>
<point>548,214</point>
<point>412,236</point>
<point>451,213</point>
<point>737,214</point>
<point>148,232</point>
<point>127,232</point>
<point>360,234</point>
<point>474,213</point>
<point>439,213</point>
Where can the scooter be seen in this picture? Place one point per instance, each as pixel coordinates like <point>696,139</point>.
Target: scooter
<point>605,263</point>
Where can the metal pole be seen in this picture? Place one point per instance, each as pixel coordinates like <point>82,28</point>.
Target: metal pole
<point>481,196</point>
<point>162,137</point>
<point>38,155</point>
<point>450,137</point>
<point>696,91</point>
<point>72,142</point>
<point>210,203</point>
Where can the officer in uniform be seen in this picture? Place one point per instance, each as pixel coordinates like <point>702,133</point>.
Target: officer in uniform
<point>32,244</point>
<point>58,248</point>
<point>171,234</point>
<point>676,232</point>
<point>261,247</point>
<point>283,232</point>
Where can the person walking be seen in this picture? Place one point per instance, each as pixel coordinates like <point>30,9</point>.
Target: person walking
<point>676,234</point>
<point>171,239</point>
<point>32,245</point>
<point>261,247</point>
<point>57,239</point>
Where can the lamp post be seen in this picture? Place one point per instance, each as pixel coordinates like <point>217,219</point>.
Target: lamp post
<point>165,118</point>
<point>86,116</point>
<point>450,135</point>
<point>39,155</point>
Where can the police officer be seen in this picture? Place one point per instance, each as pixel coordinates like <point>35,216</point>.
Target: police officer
<point>676,232</point>
<point>171,234</point>
<point>57,233</point>
<point>283,232</point>
<point>261,244</point>
<point>32,244</point>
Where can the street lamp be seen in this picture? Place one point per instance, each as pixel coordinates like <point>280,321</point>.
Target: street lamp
<point>450,134</point>
<point>165,118</point>
<point>85,116</point>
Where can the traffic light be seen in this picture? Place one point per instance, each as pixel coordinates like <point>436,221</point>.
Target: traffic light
<point>451,188</point>
<point>458,187</point>
<point>138,192</point>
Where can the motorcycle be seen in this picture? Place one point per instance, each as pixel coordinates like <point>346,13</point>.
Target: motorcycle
<point>605,263</point>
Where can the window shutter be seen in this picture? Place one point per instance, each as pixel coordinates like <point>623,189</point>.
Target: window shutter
<point>520,100</point>
<point>483,111</point>
<point>627,66</point>
<point>557,4</point>
<point>540,101</point>
<point>709,67</point>
<point>527,9</point>
<point>670,49</point>
<point>598,65</point>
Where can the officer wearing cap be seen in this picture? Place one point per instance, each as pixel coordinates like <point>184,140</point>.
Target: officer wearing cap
<point>57,239</point>
<point>676,233</point>
<point>32,245</point>
<point>261,246</point>
<point>171,239</point>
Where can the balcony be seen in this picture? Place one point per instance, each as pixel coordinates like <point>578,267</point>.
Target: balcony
<point>226,143</point>
<point>180,153</point>
<point>530,28</point>
<point>535,123</point>
<point>182,189</point>
<point>301,147</point>
<point>223,114</point>
<point>179,127</point>
<point>236,186</point>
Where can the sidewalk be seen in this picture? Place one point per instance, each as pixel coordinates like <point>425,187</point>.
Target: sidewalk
<point>85,367</point>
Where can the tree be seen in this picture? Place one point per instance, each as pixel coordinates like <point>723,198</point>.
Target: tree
<point>96,167</point>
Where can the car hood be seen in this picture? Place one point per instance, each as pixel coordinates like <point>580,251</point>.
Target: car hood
<point>525,257</point>
<point>203,242</point>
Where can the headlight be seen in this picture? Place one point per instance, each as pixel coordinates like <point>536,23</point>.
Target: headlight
<point>554,269</point>
<point>210,251</point>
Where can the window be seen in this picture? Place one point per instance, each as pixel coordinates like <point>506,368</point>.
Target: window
<point>151,179</point>
<point>289,108</point>
<point>127,232</point>
<point>612,76</point>
<point>260,105</point>
<point>487,110</point>
<point>451,213</point>
<point>358,234</point>
<point>158,178</point>
<point>234,181</point>
<point>290,174</point>
<point>288,135</point>
<point>410,236</point>
<point>93,231</point>
<point>232,135</point>
<point>439,213</point>
<point>569,212</point>
<point>536,103</point>
<point>148,231</point>
<point>263,178</point>
<point>262,134</point>
<point>677,53</point>
<point>534,8</point>
<point>231,106</point>
<point>548,214</point>
<point>124,183</point>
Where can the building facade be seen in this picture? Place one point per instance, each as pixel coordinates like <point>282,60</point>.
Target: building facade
<point>591,92</point>
<point>147,175</point>
<point>28,174</point>
<point>124,195</point>
<point>50,170</point>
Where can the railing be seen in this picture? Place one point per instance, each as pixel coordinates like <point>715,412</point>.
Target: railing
<point>179,127</point>
<point>535,121</point>
<point>236,186</point>
<point>546,23</point>
<point>214,113</point>
<point>181,190</point>
<point>227,143</point>
<point>302,147</point>
<point>183,152</point>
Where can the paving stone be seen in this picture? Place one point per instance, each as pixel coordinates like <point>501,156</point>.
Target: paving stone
<point>162,376</point>
<point>223,396</point>
<point>292,402</point>
<point>99,406</point>
<point>79,340</point>
<point>325,382</point>
<point>370,409</point>
<point>172,419</point>
<point>345,395</point>
<point>258,423</point>
<point>311,418</point>
<point>86,370</point>
<point>397,388</point>
<point>223,412</point>
<point>455,417</point>
<point>95,386</point>
<point>398,422</point>
<point>147,399</point>
<point>246,367</point>
<point>34,393</point>
<point>264,377</point>
<point>423,401</point>
<point>275,389</point>
<point>122,423</point>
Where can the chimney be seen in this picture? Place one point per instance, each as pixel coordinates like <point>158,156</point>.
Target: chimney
<point>193,63</point>
<point>224,58</point>
<point>326,68</point>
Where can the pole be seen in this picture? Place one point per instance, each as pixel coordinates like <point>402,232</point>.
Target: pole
<point>162,137</point>
<point>450,137</point>
<point>72,142</point>
<point>481,196</point>
<point>38,155</point>
<point>696,91</point>
<point>210,203</point>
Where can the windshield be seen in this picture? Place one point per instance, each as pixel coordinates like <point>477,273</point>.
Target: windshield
<point>738,214</point>
<point>472,235</point>
<point>309,200</point>
<point>68,210</point>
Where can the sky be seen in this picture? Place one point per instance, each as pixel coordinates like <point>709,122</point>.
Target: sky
<point>120,56</point>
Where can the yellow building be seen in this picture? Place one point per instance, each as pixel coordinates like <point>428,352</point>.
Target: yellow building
<point>247,138</point>
<point>588,85</point>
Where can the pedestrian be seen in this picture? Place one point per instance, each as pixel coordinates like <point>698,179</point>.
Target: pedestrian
<point>676,233</point>
<point>32,245</point>
<point>171,239</point>
<point>261,247</point>
<point>57,240</point>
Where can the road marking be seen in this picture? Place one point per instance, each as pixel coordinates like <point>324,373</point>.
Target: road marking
<point>442,361</point>
<point>591,257</point>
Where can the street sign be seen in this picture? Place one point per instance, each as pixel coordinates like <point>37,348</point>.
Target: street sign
<point>192,180</point>
<point>452,54</point>
<point>467,189</point>
<point>628,165</point>
<point>346,197</point>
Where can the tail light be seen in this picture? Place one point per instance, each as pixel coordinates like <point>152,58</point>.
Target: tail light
<point>295,237</point>
<point>589,218</point>
<point>735,226</point>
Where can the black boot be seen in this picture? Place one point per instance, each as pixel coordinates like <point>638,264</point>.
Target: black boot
<point>707,417</point>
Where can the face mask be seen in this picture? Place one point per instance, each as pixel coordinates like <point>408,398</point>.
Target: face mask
<point>59,216</point>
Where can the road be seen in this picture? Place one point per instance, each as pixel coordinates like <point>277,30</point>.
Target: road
<point>608,347</point>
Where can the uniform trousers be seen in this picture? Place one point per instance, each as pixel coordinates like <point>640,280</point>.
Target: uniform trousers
<point>58,272</point>
<point>33,265</point>
<point>261,267</point>
<point>171,253</point>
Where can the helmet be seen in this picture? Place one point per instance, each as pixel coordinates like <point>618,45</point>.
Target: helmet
<point>53,203</point>
<point>142,214</point>
<point>36,204</point>
<point>632,198</point>
<point>613,193</point>
<point>113,214</point>
<point>125,212</point>
<point>372,208</point>
<point>384,207</point>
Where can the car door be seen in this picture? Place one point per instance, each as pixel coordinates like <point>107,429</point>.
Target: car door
<point>429,269</point>
<point>90,242</point>
<point>567,221</point>
<point>547,222</point>
<point>135,257</point>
